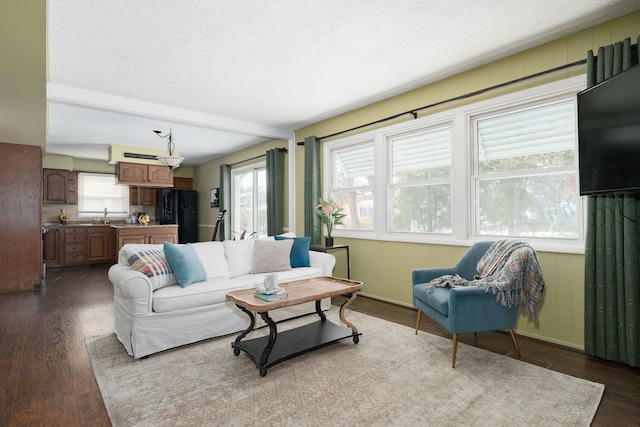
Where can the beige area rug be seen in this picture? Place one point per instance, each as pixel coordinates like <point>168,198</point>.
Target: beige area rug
<point>392,377</point>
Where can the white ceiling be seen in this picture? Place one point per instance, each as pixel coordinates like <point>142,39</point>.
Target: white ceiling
<point>227,74</point>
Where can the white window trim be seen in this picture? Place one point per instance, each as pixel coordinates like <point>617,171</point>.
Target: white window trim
<point>462,155</point>
<point>242,170</point>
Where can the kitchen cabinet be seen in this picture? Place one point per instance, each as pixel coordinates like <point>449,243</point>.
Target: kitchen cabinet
<point>144,234</point>
<point>144,175</point>
<point>99,244</point>
<point>73,245</point>
<point>59,186</point>
<point>182,183</point>
<point>52,247</point>
<point>145,196</point>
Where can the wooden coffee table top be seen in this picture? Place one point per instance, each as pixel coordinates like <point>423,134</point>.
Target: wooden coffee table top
<point>299,292</point>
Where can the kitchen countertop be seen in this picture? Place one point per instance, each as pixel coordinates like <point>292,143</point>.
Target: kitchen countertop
<point>138,225</point>
<point>87,224</point>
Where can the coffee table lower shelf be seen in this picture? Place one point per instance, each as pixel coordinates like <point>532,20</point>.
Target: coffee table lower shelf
<point>292,343</point>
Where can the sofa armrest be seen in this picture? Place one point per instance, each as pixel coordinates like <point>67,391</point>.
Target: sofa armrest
<point>425,275</point>
<point>324,261</point>
<point>131,289</point>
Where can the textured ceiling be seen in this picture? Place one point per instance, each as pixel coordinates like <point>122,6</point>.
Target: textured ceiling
<point>227,74</point>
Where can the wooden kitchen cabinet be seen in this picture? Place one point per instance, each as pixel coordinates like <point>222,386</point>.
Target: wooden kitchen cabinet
<point>145,196</point>
<point>144,175</point>
<point>182,183</point>
<point>59,186</point>
<point>52,247</point>
<point>144,234</point>
<point>73,245</point>
<point>99,244</point>
<point>72,188</point>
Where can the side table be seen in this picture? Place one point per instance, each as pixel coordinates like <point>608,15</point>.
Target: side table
<point>321,248</point>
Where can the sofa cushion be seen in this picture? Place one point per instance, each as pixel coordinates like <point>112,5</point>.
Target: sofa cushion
<point>211,255</point>
<point>185,263</point>
<point>151,262</point>
<point>299,256</point>
<point>271,256</point>
<point>239,255</point>
<point>211,291</point>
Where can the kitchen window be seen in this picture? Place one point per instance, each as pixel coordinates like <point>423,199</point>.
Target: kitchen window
<point>97,192</point>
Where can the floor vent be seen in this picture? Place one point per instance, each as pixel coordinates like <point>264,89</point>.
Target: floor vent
<point>513,355</point>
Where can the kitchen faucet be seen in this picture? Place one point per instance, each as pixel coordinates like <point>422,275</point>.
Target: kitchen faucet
<point>106,220</point>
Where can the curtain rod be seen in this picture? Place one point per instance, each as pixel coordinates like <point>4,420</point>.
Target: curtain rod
<point>282,150</point>
<point>414,112</point>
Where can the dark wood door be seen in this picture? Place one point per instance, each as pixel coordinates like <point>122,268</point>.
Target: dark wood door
<point>20,223</point>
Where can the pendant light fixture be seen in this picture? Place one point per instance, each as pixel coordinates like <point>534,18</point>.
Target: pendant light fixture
<point>170,160</point>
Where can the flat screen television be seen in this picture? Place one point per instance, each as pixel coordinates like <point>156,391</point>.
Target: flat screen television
<point>609,135</point>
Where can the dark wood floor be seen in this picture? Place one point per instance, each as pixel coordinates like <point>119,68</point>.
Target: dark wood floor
<point>46,377</point>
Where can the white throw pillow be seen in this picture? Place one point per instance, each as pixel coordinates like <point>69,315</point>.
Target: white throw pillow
<point>212,256</point>
<point>271,256</point>
<point>239,255</point>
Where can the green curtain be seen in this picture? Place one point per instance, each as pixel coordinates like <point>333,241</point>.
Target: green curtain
<point>312,224</point>
<point>612,271</point>
<point>225,201</point>
<point>275,191</point>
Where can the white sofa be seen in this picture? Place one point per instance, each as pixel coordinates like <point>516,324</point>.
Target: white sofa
<point>154,313</point>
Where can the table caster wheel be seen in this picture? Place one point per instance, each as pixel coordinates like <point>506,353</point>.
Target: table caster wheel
<point>236,351</point>
<point>356,339</point>
<point>263,372</point>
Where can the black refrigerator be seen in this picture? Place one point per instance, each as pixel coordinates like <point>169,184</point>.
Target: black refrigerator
<point>179,207</point>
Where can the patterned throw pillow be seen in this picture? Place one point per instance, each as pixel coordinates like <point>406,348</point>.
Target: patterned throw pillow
<point>153,264</point>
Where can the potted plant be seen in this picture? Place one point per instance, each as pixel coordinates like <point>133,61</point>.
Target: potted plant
<point>330,213</point>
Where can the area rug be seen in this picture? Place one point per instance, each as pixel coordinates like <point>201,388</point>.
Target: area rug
<point>391,377</point>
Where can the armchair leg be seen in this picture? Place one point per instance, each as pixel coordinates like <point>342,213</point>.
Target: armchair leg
<point>418,321</point>
<point>455,348</point>
<point>515,343</point>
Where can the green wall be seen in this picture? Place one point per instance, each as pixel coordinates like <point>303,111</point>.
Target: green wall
<point>23,72</point>
<point>385,267</point>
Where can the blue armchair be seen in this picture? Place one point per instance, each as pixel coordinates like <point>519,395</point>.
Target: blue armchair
<point>462,309</point>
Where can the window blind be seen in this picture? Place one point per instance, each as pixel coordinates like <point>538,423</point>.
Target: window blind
<point>545,129</point>
<point>97,192</point>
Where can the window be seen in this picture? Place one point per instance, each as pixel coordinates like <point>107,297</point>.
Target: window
<point>353,183</point>
<point>526,183</point>
<point>97,192</point>
<point>249,201</point>
<point>501,167</point>
<point>420,181</point>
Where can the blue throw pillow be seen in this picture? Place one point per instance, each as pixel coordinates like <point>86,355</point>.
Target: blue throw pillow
<point>185,263</point>
<point>299,256</point>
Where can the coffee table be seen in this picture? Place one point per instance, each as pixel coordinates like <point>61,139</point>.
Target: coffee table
<point>276,347</point>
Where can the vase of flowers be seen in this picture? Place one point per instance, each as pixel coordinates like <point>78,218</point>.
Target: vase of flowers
<point>331,214</point>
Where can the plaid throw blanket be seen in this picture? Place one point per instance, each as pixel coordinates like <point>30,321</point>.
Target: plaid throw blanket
<point>511,269</point>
